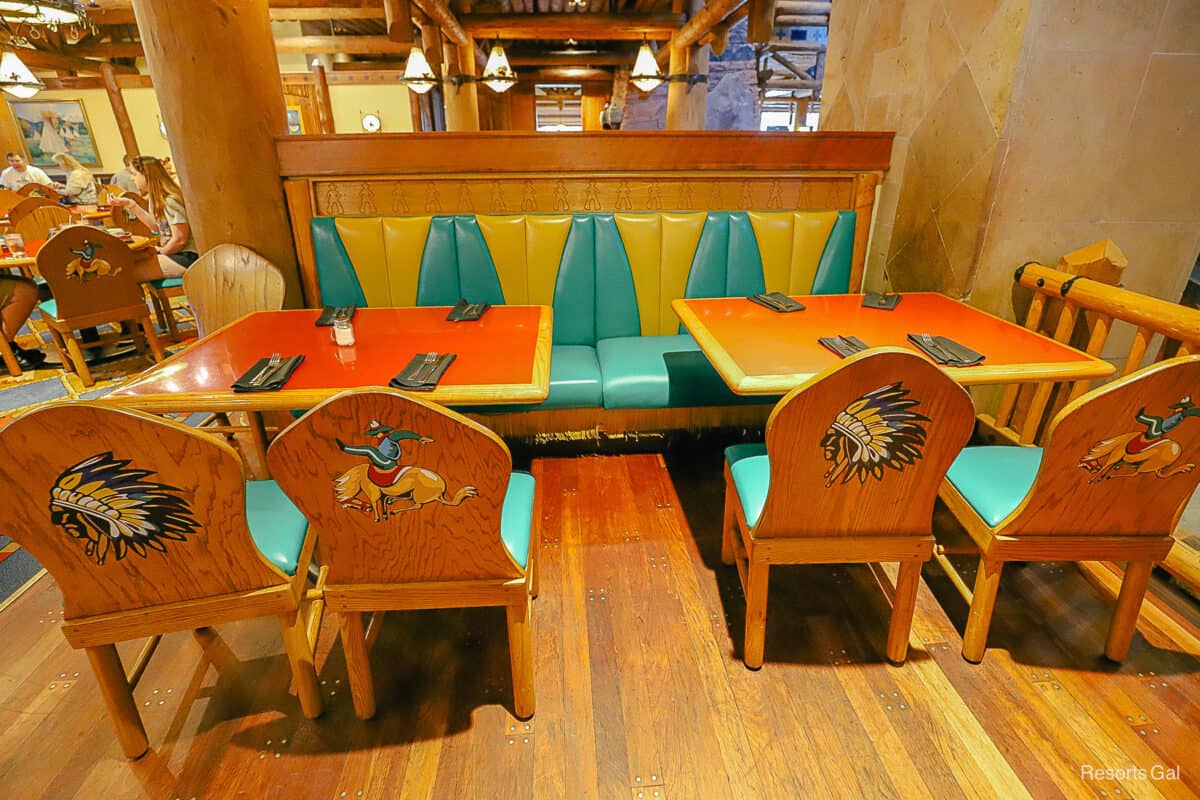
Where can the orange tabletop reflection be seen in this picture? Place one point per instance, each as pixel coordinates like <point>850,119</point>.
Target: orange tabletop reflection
<point>502,358</point>
<point>759,351</point>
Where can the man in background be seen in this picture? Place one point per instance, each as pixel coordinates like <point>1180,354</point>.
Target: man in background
<point>19,174</point>
<point>124,178</point>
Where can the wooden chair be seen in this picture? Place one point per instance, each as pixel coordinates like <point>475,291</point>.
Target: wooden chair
<point>849,474</point>
<point>39,190</point>
<point>26,205</point>
<point>8,199</point>
<point>148,528</point>
<point>418,507</point>
<point>124,218</point>
<point>228,282</point>
<point>1118,466</point>
<point>89,274</point>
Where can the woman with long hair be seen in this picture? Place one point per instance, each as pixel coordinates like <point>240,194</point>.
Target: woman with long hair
<point>81,184</point>
<point>167,212</point>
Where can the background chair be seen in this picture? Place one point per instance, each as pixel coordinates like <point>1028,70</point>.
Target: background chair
<point>849,474</point>
<point>124,218</point>
<point>147,528</point>
<point>91,289</point>
<point>418,507</point>
<point>8,199</point>
<point>39,190</point>
<point>1119,464</point>
<point>27,205</point>
<point>228,282</point>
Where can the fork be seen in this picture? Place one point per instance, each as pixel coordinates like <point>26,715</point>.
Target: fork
<point>938,350</point>
<point>262,373</point>
<point>426,369</point>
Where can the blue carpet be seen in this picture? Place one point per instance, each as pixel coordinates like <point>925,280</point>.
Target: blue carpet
<point>27,394</point>
<point>15,570</point>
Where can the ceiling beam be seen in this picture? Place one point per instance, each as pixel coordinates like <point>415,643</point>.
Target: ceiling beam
<point>801,21</point>
<point>718,37</point>
<point>573,60</point>
<point>802,7</point>
<point>124,81</point>
<point>440,13</point>
<point>41,59</point>
<point>358,45</point>
<point>713,13</point>
<point>783,45</point>
<point>119,50</point>
<point>599,27</point>
<point>398,19</point>
<point>310,14</point>
<point>762,20</point>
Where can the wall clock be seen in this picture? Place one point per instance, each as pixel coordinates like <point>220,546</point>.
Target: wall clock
<point>371,123</point>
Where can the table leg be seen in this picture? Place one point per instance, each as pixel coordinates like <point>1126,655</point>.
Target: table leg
<point>258,441</point>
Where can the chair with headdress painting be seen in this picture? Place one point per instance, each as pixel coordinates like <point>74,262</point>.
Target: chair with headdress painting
<point>1118,466</point>
<point>418,507</point>
<point>147,528</point>
<point>849,474</point>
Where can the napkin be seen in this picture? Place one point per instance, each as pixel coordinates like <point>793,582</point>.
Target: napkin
<point>419,376</point>
<point>884,302</point>
<point>330,313</point>
<point>844,346</point>
<point>467,312</point>
<point>270,381</point>
<point>776,301</point>
<point>945,350</point>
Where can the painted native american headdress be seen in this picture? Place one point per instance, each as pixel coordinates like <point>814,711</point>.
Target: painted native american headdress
<point>877,430</point>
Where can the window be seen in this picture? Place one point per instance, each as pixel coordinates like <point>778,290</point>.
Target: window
<point>558,106</point>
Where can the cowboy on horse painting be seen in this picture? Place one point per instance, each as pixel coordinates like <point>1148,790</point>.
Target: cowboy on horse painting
<point>1147,451</point>
<point>88,264</point>
<point>383,481</point>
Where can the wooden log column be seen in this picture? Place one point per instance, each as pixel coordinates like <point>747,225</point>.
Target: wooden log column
<point>687,104</point>
<point>324,102</point>
<point>117,101</point>
<point>462,101</point>
<point>199,53</point>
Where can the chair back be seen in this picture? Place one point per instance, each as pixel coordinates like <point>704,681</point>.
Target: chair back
<point>401,490</point>
<point>25,205</point>
<point>228,282</point>
<point>862,448</point>
<point>89,271</point>
<point>1121,460</point>
<point>39,190</point>
<point>124,218</point>
<point>8,200</point>
<point>127,510</point>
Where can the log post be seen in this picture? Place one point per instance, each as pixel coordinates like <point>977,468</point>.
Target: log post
<point>324,102</point>
<point>228,165</point>
<point>117,101</point>
<point>687,104</point>
<point>462,100</point>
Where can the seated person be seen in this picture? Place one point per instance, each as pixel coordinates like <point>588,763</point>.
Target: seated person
<point>18,174</point>
<point>18,296</point>
<point>80,188</point>
<point>176,249</point>
<point>123,179</point>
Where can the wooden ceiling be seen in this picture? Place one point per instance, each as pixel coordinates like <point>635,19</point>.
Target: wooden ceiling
<point>548,34</point>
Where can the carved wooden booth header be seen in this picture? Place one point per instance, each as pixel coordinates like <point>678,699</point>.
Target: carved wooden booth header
<point>627,171</point>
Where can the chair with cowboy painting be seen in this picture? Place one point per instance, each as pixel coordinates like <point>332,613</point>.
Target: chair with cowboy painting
<point>418,507</point>
<point>849,474</point>
<point>1110,484</point>
<point>147,528</point>
<point>90,274</point>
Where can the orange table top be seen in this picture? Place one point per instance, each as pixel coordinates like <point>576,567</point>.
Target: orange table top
<point>502,358</point>
<point>759,351</point>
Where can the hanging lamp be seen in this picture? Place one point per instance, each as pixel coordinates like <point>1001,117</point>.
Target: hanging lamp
<point>16,78</point>
<point>646,75</point>
<point>418,75</point>
<point>498,75</point>
<point>43,12</point>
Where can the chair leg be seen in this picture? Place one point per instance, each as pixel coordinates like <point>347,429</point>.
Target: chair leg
<point>729,526</point>
<point>756,614</point>
<point>903,605</point>
<point>1129,604</point>
<point>535,564</point>
<point>152,339</point>
<point>75,352</point>
<point>118,697</point>
<point>300,655</point>
<point>983,601</point>
<point>8,357</point>
<point>358,663</point>
<point>520,654</point>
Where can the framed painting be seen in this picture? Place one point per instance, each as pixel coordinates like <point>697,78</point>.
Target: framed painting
<point>295,120</point>
<point>55,126</point>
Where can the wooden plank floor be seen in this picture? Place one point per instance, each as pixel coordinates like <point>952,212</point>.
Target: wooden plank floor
<point>639,688</point>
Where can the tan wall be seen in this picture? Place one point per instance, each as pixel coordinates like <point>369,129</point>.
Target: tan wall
<point>938,74</point>
<point>1104,143</point>
<point>388,100</point>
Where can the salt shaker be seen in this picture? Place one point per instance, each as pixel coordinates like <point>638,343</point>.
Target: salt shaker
<point>343,332</point>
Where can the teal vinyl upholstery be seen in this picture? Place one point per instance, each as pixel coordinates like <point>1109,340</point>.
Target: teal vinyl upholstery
<point>574,382</point>
<point>751,472</point>
<point>833,270</point>
<point>276,525</point>
<point>335,274</point>
<point>995,479</point>
<point>49,308</point>
<point>456,263</point>
<point>516,517</point>
<point>166,283</point>
<point>727,262</point>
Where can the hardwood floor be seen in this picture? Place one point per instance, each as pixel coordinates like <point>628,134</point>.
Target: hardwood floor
<point>641,693</point>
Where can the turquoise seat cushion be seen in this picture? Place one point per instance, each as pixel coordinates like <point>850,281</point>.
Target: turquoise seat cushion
<point>833,270</point>
<point>275,523</point>
<point>456,263</point>
<point>994,480</point>
<point>335,272</point>
<point>167,283</point>
<point>516,516</point>
<point>574,383</point>
<point>49,308</point>
<point>662,372</point>
<point>751,477</point>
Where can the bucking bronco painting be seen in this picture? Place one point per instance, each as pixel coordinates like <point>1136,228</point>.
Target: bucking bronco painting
<point>382,485</point>
<point>1149,451</point>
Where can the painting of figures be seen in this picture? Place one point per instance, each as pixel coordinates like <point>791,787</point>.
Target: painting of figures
<point>55,126</point>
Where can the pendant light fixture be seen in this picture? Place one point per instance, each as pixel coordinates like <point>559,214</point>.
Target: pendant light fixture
<point>497,73</point>
<point>646,75</point>
<point>43,12</point>
<point>15,77</point>
<point>418,75</point>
